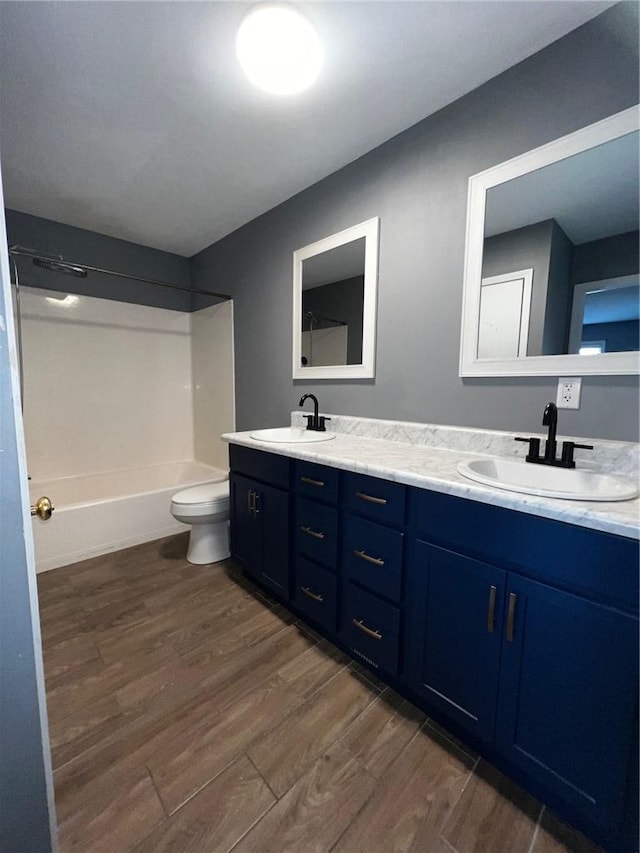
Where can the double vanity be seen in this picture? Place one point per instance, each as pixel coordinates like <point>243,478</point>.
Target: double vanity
<point>511,618</point>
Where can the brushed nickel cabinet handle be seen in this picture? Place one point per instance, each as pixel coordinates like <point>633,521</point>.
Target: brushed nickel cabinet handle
<point>364,556</point>
<point>314,533</point>
<point>371,499</point>
<point>368,631</point>
<point>311,482</point>
<point>511,612</point>
<point>313,595</point>
<point>491,613</point>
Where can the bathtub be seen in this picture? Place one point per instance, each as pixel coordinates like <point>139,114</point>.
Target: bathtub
<point>99,513</point>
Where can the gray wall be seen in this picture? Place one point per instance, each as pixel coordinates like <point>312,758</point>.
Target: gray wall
<point>24,814</point>
<point>611,257</point>
<point>417,184</point>
<point>98,250</point>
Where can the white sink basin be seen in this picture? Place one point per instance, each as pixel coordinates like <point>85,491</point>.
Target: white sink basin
<point>547,481</point>
<point>291,435</point>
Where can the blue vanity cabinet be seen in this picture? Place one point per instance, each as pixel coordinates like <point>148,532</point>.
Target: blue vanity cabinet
<point>517,631</point>
<point>260,513</point>
<point>543,673</point>
<point>455,631</point>
<point>568,696</point>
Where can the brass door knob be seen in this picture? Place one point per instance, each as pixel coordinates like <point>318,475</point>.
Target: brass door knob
<point>42,508</point>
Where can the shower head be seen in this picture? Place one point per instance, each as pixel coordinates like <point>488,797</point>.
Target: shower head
<point>60,266</point>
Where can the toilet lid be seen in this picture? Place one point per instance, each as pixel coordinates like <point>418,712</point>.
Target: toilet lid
<point>206,494</point>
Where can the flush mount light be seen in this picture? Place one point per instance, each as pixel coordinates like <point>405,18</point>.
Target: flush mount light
<point>278,49</point>
<point>64,301</point>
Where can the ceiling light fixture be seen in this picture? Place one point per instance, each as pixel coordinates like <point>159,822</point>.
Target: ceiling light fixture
<point>279,50</point>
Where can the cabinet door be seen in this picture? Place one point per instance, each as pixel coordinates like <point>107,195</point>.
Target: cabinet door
<point>568,695</point>
<point>246,534</point>
<point>454,637</point>
<point>260,531</point>
<point>272,509</point>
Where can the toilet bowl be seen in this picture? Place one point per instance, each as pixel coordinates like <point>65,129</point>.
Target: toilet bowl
<point>206,509</point>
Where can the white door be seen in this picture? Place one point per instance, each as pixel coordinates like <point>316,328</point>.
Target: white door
<point>505,305</point>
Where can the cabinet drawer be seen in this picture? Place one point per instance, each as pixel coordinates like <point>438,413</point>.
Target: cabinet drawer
<point>371,629</point>
<point>317,532</point>
<point>315,593</point>
<point>267,467</point>
<point>316,482</point>
<point>373,556</point>
<point>380,500</point>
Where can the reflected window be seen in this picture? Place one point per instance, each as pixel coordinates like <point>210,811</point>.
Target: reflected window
<point>592,348</point>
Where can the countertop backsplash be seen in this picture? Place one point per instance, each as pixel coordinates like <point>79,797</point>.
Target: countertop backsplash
<point>612,457</point>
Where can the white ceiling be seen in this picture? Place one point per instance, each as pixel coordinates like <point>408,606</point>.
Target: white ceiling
<point>591,195</point>
<point>134,119</point>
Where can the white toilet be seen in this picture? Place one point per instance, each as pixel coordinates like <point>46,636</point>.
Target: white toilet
<point>206,509</point>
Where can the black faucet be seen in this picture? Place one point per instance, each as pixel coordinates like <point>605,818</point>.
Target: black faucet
<point>314,421</point>
<point>550,419</point>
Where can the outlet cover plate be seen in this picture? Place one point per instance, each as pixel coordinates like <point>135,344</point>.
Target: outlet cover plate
<point>568,396</point>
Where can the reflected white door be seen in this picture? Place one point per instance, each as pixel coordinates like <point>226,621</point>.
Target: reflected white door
<point>505,305</point>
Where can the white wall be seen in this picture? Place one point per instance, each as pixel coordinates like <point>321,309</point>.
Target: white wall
<point>213,382</point>
<point>107,385</point>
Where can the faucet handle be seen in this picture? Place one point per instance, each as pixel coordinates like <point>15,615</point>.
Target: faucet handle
<point>567,452</point>
<point>534,448</point>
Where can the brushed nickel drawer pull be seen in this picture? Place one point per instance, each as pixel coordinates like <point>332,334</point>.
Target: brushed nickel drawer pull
<point>491,613</point>
<point>313,595</point>
<point>311,482</point>
<point>368,631</point>
<point>310,532</point>
<point>371,499</point>
<point>511,612</point>
<point>364,556</point>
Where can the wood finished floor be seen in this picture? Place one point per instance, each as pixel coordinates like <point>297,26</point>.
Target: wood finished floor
<point>189,713</point>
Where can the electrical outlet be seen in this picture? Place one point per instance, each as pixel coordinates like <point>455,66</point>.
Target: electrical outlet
<point>568,393</point>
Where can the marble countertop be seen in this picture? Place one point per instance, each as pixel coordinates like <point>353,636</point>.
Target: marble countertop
<point>434,468</point>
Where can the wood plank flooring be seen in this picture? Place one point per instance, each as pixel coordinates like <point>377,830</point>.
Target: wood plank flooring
<point>189,713</point>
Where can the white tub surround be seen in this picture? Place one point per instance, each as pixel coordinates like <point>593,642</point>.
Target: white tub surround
<point>100,513</point>
<point>212,381</point>
<point>426,456</point>
<point>107,385</point>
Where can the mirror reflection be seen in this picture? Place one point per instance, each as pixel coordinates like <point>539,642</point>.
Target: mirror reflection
<point>335,284</point>
<point>560,257</point>
<point>332,306</point>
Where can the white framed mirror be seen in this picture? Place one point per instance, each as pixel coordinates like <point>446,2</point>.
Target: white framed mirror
<point>335,282</point>
<point>551,279</point>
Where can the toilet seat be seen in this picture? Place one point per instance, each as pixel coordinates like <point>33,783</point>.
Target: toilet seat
<point>210,494</point>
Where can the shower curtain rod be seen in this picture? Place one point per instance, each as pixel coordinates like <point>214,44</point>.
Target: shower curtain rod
<point>27,253</point>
